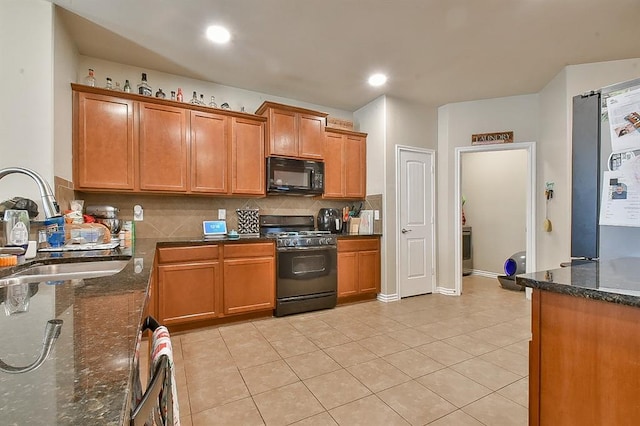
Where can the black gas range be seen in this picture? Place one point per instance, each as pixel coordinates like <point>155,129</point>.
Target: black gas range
<point>307,277</point>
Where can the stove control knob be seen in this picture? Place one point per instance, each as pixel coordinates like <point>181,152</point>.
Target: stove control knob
<point>308,242</point>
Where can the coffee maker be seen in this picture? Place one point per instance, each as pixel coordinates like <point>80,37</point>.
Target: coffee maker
<point>329,220</point>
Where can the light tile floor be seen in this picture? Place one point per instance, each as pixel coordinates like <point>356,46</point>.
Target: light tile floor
<point>433,359</point>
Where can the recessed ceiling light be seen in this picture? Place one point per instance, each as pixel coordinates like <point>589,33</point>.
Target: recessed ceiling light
<point>377,79</point>
<point>218,34</point>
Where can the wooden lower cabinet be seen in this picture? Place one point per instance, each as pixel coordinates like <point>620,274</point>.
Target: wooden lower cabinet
<point>188,291</point>
<point>358,267</point>
<point>209,282</point>
<point>583,361</point>
<point>249,278</point>
<point>188,285</point>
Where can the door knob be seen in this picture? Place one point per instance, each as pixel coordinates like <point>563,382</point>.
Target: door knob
<point>404,231</point>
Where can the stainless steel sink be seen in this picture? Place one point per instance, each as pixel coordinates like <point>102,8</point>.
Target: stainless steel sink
<point>64,271</point>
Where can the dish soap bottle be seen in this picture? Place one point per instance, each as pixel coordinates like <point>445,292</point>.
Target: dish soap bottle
<point>143,87</point>
<point>17,228</point>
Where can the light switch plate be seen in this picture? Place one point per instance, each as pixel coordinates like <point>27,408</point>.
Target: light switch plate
<point>222,214</point>
<point>376,215</point>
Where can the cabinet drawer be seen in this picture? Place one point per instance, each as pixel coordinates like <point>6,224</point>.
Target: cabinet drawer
<point>358,244</point>
<point>187,254</point>
<point>248,250</point>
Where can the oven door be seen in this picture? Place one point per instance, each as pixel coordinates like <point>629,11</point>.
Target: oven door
<point>306,271</point>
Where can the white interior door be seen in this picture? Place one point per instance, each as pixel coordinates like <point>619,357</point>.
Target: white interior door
<point>416,223</point>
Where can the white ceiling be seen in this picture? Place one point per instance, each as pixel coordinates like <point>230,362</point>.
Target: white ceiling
<point>435,52</point>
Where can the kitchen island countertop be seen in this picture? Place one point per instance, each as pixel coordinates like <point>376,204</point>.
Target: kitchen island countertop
<point>613,280</point>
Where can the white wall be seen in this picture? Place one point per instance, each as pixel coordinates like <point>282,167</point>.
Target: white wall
<point>456,123</point>
<point>235,97</point>
<point>65,62</point>
<point>494,185</point>
<point>26,105</point>
<point>389,122</point>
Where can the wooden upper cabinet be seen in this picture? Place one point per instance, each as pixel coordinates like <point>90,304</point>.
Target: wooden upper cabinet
<point>163,148</point>
<point>333,166</point>
<point>345,164</point>
<point>283,131</point>
<point>247,157</point>
<point>311,136</point>
<point>209,153</point>
<point>355,171</point>
<point>156,145</point>
<point>103,142</point>
<point>293,132</point>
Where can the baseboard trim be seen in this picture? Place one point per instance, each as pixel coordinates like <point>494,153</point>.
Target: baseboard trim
<point>484,273</point>
<point>446,291</point>
<point>388,297</point>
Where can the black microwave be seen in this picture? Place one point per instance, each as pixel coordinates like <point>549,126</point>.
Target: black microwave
<point>296,177</point>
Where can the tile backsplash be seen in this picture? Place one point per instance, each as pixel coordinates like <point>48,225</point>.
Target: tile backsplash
<point>182,215</point>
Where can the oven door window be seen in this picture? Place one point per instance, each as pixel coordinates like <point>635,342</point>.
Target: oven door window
<point>303,265</point>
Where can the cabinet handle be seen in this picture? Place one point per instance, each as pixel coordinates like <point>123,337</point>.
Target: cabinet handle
<point>404,231</point>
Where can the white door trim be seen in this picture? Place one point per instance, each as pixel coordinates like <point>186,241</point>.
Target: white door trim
<point>399,149</point>
<point>530,147</point>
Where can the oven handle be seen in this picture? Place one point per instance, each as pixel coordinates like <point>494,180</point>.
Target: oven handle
<point>315,248</point>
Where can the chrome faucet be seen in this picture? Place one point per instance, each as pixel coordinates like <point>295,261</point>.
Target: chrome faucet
<point>49,203</point>
<point>51,333</point>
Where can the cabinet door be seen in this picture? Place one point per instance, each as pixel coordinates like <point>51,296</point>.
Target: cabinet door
<point>347,274</point>
<point>209,153</point>
<point>247,157</point>
<point>283,131</point>
<point>333,159</point>
<point>354,167</point>
<point>369,271</point>
<point>311,137</point>
<point>188,292</point>
<point>104,155</point>
<point>249,284</point>
<point>163,148</point>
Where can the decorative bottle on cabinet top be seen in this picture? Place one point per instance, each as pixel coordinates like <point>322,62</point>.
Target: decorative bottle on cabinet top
<point>127,86</point>
<point>179,96</point>
<point>143,87</point>
<point>90,80</point>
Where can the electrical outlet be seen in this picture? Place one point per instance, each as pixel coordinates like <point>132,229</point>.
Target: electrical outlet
<point>376,215</point>
<point>138,213</point>
<point>138,265</point>
<point>222,214</point>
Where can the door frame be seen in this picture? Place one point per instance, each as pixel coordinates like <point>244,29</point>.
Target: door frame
<point>432,153</point>
<point>530,147</point>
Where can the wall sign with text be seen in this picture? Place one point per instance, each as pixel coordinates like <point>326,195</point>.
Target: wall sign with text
<point>490,138</point>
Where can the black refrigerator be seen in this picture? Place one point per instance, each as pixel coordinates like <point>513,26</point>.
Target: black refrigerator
<point>591,150</point>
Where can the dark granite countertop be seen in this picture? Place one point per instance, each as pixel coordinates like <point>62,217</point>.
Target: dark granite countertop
<point>615,281</point>
<point>87,378</point>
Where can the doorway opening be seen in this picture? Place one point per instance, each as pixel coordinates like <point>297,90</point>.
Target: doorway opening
<point>530,201</point>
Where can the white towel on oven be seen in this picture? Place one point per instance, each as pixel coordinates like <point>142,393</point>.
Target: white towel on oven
<point>162,346</point>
